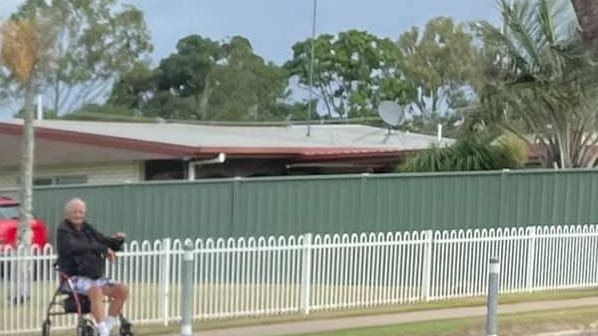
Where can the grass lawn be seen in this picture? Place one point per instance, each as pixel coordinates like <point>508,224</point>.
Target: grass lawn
<point>515,325</point>
<point>464,324</point>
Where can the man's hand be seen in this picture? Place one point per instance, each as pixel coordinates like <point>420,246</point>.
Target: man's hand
<point>119,235</point>
<point>111,255</point>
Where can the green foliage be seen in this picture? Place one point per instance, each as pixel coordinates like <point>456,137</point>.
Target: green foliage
<point>349,70</point>
<point>90,43</point>
<point>440,65</point>
<point>48,114</point>
<point>540,82</point>
<point>296,111</point>
<point>511,143</point>
<point>106,112</point>
<point>105,109</point>
<point>132,88</point>
<point>205,80</point>
<point>187,72</point>
<point>246,87</point>
<point>467,154</point>
<point>433,71</point>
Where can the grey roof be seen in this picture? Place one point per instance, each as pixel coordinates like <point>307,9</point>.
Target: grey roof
<point>358,136</point>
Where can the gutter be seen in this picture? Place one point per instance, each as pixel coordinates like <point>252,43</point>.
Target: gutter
<point>192,165</point>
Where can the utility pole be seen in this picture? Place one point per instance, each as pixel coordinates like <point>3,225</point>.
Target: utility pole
<point>311,67</point>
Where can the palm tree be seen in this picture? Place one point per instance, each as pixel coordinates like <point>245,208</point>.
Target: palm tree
<point>540,81</point>
<point>587,14</point>
<point>19,54</point>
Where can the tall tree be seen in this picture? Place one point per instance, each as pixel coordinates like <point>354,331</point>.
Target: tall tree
<point>205,80</point>
<point>20,56</point>
<point>134,88</point>
<point>187,72</point>
<point>24,47</point>
<point>440,65</point>
<point>541,78</point>
<point>349,70</point>
<point>95,41</point>
<point>246,87</point>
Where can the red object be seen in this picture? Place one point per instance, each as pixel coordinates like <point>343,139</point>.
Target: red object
<point>9,225</point>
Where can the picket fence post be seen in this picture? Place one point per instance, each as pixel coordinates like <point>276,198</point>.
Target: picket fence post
<point>427,276</point>
<point>531,260</point>
<point>165,271</point>
<point>306,273</point>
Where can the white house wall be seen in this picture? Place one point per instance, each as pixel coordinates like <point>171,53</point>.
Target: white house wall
<point>96,174</point>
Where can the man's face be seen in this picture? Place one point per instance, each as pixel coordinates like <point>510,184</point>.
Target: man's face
<point>76,213</point>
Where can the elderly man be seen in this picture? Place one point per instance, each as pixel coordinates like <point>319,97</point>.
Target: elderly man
<point>82,251</point>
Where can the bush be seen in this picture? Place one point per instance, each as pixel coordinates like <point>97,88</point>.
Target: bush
<point>467,154</point>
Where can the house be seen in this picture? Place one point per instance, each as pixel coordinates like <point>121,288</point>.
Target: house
<point>81,152</point>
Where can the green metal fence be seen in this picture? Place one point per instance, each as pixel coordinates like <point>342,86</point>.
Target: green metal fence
<point>334,204</point>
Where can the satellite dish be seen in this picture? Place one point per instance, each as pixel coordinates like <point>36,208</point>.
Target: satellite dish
<point>391,112</point>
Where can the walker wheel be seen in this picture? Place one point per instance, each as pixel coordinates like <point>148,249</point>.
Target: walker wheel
<point>86,328</point>
<point>46,328</point>
<point>89,331</point>
<point>125,327</point>
<point>125,330</point>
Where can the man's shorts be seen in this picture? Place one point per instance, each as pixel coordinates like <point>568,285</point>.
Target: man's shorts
<point>81,285</point>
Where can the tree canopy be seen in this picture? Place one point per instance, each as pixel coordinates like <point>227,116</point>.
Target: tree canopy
<point>352,72</point>
<point>205,80</point>
<point>440,64</point>
<point>90,43</point>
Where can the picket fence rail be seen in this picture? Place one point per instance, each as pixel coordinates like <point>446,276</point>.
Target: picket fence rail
<point>252,277</point>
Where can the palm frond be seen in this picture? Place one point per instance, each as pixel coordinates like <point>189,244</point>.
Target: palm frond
<point>544,77</point>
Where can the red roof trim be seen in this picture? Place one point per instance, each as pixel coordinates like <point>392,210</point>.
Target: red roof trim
<point>373,155</point>
<point>303,151</point>
<point>101,140</point>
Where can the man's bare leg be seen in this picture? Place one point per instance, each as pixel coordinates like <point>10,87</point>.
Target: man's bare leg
<point>97,309</point>
<point>118,293</point>
<point>97,303</point>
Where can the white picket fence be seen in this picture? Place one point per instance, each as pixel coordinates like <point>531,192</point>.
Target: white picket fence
<point>286,275</point>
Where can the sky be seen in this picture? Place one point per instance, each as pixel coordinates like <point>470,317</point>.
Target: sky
<point>273,26</point>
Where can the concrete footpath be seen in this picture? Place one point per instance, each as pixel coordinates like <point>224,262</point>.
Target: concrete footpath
<point>314,326</point>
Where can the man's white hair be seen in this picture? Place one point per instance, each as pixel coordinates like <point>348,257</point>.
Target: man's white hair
<point>73,203</point>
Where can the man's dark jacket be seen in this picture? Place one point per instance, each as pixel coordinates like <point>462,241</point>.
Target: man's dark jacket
<point>83,252</point>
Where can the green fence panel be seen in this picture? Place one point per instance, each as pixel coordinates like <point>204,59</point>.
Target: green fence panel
<point>297,205</point>
<point>333,204</point>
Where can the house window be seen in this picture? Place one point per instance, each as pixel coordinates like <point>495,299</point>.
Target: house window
<point>164,170</point>
<point>72,179</point>
<point>59,180</point>
<point>43,181</point>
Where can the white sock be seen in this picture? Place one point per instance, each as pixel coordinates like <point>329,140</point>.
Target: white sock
<point>110,322</point>
<point>103,329</point>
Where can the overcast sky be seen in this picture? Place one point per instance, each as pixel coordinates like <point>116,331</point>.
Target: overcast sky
<point>273,26</point>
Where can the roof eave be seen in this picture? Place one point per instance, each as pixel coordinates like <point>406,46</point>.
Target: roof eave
<point>103,141</point>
